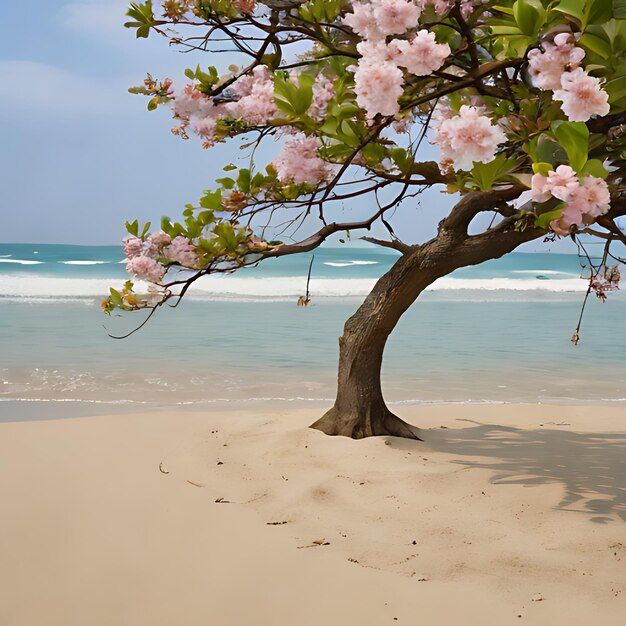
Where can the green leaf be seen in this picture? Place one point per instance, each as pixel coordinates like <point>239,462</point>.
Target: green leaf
<point>212,200</point>
<point>143,32</point>
<point>596,44</point>
<point>574,138</point>
<point>402,159</point>
<point>243,181</point>
<point>226,182</point>
<point>616,89</point>
<point>542,168</point>
<point>133,228</point>
<point>619,9</point>
<point>290,98</point>
<point>502,9</point>
<point>116,297</point>
<point>139,90</point>
<point>595,167</point>
<point>545,150</point>
<point>529,15</point>
<point>486,175</point>
<point>598,11</point>
<point>543,220</point>
<point>574,8</point>
<point>374,153</point>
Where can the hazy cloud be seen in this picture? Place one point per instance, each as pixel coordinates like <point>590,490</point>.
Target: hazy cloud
<point>103,19</point>
<point>43,89</point>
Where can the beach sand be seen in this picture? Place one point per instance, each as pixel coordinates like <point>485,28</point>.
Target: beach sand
<point>504,515</point>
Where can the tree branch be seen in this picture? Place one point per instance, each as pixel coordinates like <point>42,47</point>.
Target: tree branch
<point>470,205</point>
<point>395,244</point>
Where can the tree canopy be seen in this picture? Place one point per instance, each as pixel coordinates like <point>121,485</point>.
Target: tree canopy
<point>525,101</point>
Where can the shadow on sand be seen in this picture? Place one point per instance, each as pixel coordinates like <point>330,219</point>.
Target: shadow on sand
<point>591,467</point>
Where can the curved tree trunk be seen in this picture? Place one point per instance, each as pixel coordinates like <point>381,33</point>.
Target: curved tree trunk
<point>360,410</point>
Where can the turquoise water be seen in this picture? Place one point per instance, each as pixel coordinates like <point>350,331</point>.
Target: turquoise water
<point>495,333</point>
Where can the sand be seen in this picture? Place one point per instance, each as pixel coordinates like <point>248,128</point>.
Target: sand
<point>504,515</point>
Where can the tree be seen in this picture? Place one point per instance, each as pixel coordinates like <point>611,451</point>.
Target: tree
<point>525,101</point>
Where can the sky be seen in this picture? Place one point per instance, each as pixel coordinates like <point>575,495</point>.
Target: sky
<point>79,155</point>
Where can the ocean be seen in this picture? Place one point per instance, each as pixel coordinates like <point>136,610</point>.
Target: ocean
<point>499,332</point>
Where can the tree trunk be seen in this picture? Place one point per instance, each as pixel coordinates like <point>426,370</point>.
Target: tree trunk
<point>360,410</point>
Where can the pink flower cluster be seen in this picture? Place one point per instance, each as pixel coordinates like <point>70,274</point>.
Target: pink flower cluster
<point>467,6</point>
<point>323,93</point>
<point>379,81</point>
<point>254,104</point>
<point>547,67</point>
<point>379,18</point>
<point>466,138</point>
<point>586,200</point>
<point>256,97</point>
<point>377,87</point>
<point>299,161</point>
<point>183,252</point>
<point>142,256</point>
<point>582,96</point>
<point>557,69</point>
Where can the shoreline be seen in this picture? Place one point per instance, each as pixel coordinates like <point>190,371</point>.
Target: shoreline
<point>249,517</point>
<point>16,410</point>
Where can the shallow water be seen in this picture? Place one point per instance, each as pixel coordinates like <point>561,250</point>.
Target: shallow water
<point>500,333</point>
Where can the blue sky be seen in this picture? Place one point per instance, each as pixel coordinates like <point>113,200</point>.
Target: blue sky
<point>80,154</point>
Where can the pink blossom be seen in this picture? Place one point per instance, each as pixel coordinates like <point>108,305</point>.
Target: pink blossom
<point>160,239</point>
<point>380,18</point>
<point>145,268</point>
<point>323,93</point>
<point>570,215</point>
<point>183,252</point>
<point>546,68</point>
<point>377,51</point>
<point>150,249</point>
<point>299,161</point>
<point>596,196</point>
<point>585,202</point>
<point>204,127</point>
<point>424,55</point>
<point>395,17</point>
<point>256,97</point>
<point>540,190</point>
<point>562,182</point>
<point>378,87</point>
<point>582,96</point>
<point>132,247</point>
<point>191,101</point>
<point>361,21</point>
<point>467,6</point>
<point>467,138</point>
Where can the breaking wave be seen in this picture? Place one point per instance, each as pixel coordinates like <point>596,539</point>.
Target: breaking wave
<point>273,287</point>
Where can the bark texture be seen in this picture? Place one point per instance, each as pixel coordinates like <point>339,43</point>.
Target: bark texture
<point>360,410</point>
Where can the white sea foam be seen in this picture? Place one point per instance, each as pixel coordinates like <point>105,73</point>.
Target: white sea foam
<point>349,263</point>
<point>83,262</point>
<point>543,272</point>
<point>272,287</point>
<point>5,256</point>
<point>20,261</point>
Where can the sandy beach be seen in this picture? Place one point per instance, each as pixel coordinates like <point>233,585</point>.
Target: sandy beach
<point>506,514</point>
